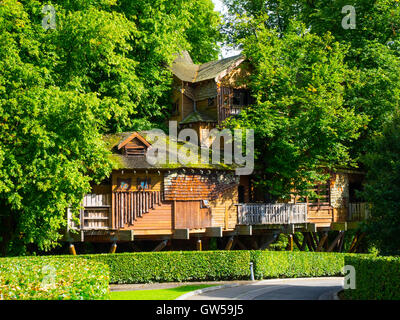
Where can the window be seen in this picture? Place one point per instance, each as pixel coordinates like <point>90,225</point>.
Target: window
<point>143,183</point>
<point>204,204</point>
<point>124,184</point>
<point>210,102</point>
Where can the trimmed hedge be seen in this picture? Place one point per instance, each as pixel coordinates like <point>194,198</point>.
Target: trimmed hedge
<point>171,266</point>
<point>52,278</point>
<point>377,278</point>
<point>143,267</point>
<point>286,264</point>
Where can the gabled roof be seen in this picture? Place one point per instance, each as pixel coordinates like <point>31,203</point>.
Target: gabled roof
<point>197,116</point>
<point>184,68</point>
<point>134,135</point>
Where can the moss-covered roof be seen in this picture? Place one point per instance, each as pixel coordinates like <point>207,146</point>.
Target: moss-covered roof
<point>172,147</point>
<point>197,116</point>
<point>184,68</point>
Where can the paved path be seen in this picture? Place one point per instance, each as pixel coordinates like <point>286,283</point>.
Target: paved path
<point>284,289</point>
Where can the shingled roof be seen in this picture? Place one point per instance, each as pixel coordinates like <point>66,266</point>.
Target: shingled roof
<point>121,161</point>
<point>197,116</point>
<point>184,68</point>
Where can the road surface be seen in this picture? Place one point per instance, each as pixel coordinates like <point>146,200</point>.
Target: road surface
<point>283,289</point>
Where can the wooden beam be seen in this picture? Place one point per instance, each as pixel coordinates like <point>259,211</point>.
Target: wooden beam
<point>213,232</point>
<point>113,247</point>
<point>290,244</point>
<point>297,242</point>
<point>269,241</point>
<point>160,246</point>
<point>354,241</point>
<point>72,249</point>
<point>240,244</point>
<point>322,241</point>
<point>362,235</point>
<point>230,243</point>
<point>182,234</point>
<point>199,246</point>
<point>341,242</point>
<point>335,242</point>
<point>244,230</point>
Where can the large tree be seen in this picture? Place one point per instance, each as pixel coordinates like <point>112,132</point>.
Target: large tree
<point>302,126</point>
<point>104,68</point>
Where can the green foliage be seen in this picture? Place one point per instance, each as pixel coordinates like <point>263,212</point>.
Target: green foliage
<point>175,266</point>
<point>217,265</point>
<point>52,278</point>
<point>103,69</point>
<point>300,122</point>
<point>377,278</point>
<point>382,188</point>
<point>286,264</point>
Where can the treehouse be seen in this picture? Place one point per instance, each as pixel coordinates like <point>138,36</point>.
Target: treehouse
<point>142,200</point>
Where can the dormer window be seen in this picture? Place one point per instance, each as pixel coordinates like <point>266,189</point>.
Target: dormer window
<point>134,145</point>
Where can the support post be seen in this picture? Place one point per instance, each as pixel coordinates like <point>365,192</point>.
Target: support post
<point>199,245</point>
<point>72,249</point>
<point>297,242</point>
<point>113,247</point>
<point>335,242</point>
<point>230,243</point>
<point>161,246</point>
<point>290,245</point>
<point>322,241</point>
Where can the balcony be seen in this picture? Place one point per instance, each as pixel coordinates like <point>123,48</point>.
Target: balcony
<point>269,213</point>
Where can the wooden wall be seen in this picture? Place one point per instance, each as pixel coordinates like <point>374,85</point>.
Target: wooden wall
<point>156,179</point>
<point>224,211</point>
<point>189,214</point>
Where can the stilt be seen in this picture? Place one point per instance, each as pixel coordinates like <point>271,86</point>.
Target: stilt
<point>269,241</point>
<point>240,244</point>
<point>72,249</point>
<point>322,241</point>
<point>290,244</point>
<point>362,235</point>
<point>341,242</point>
<point>335,242</point>
<point>230,243</point>
<point>199,245</point>
<point>113,247</point>
<point>297,242</point>
<point>161,246</point>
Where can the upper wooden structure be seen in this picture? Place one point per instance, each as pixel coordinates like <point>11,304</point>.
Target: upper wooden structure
<point>171,200</point>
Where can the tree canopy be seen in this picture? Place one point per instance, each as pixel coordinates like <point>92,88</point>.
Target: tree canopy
<point>102,69</point>
<point>302,126</point>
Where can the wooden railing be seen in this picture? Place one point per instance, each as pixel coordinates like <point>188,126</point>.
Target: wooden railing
<point>358,211</point>
<point>96,213</point>
<point>269,213</point>
<point>128,206</point>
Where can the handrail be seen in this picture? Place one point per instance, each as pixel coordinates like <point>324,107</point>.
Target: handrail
<point>272,213</point>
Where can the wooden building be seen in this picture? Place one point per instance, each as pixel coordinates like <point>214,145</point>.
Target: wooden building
<point>168,201</point>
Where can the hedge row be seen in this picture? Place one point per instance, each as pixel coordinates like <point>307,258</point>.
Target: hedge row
<point>217,265</point>
<point>286,264</point>
<point>52,278</point>
<point>377,278</point>
<point>143,267</point>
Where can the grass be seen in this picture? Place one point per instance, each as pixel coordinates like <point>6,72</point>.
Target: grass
<point>158,294</point>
